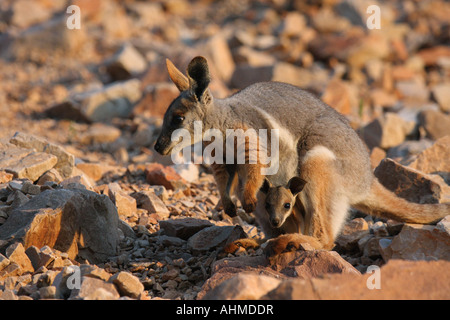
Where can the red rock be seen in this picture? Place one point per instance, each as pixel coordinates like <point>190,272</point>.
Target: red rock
<point>5,177</point>
<point>157,174</point>
<point>399,280</point>
<point>16,253</point>
<point>435,123</point>
<point>126,205</point>
<point>408,183</point>
<point>435,158</point>
<point>299,264</point>
<point>339,95</point>
<point>419,242</point>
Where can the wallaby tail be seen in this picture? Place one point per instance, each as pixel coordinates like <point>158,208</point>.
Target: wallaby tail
<point>383,203</point>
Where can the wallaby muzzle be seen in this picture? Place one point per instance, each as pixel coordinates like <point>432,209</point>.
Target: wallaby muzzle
<point>163,145</point>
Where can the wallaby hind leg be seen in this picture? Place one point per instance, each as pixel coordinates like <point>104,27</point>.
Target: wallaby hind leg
<point>245,243</point>
<point>252,182</point>
<point>226,180</point>
<point>290,242</point>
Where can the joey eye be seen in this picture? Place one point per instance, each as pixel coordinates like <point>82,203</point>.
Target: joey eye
<point>287,205</point>
<point>177,120</point>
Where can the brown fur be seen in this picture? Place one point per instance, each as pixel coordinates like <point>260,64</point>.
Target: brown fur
<point>386,204</point>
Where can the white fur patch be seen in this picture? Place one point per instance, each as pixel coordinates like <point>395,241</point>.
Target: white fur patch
<point>339,214</point>
<point>285,135</point>
<point>319,152</point>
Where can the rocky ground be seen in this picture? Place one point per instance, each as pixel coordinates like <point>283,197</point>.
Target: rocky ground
<point>89,211</point>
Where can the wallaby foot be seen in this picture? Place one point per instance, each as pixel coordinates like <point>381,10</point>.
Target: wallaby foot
<point>290,242</point>
<point>229,207</point>
<point>245,243</point>
<point>249,204</point>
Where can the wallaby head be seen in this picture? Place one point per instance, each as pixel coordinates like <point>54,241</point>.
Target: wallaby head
<point>190,106</point>
<point>280,200</point>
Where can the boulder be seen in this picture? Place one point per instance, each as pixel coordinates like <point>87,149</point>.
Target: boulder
<point>127,284</point>
<point>99,133</point>
<point>399,280</point>
<point>51,37</point>
<point>16,254</point>
<point>65,160</point>
<point>127,62</point>
<point>183,228</point>
<point>386,131</point>
<point>436,124</point>
<point>149,201</point>
<point>441,93</point>
<point>126,205</point>
<point>299,265</point>
<point>214,237</point>
<point>411,184</point>
<point>24,163</point>
<point>79,222</point>
<point>435,159</point>
<point>113,100</point>
<point>243,286</point>
<point>420,242</point>
<point>245,75</point>
<point>94,289</point>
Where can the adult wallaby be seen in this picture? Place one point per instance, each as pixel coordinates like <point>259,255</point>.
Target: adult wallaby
<point>314,140</point>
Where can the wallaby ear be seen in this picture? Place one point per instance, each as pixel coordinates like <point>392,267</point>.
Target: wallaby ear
<point>266,186</point>
<point>296,185</point>
<point>177,77</point>
<point>199,77</point>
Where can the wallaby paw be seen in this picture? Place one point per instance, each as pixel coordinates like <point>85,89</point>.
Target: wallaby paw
<point>230,208</point>
<point>274,247</point>
<point>285,243</point>
<point>249,205</point>
<point>245,243</point>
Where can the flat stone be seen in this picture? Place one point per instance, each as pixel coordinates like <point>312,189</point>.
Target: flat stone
<point>183,228</point>
<point>65,160</point>
<point>410,184</point>
<point>215,236</point>
<point>149,201</point>
<point>100,105</point>
<point>95,289</point>
<point>23,163</point>
<point>128,284</point>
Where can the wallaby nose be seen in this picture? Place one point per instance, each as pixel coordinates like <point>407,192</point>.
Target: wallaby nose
<point>275,222</point>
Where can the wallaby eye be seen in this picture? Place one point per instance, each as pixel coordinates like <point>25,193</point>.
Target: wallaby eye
<point>177,120</point>
<point>287,205</point>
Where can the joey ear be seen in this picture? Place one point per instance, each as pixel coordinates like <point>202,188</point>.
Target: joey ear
<point>296,185</point>
<point>177,77</point>
<point>199,77</point>
<point>266,186</point>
